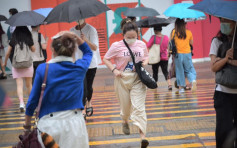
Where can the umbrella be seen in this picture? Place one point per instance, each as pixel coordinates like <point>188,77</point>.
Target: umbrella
<point>44,11</point>
<point>180,10</point>
<point>73,10</point>
<point>26,18</point>
<point>140,11</point>
<point>154,21</point>
<point>219,8</point>
<point>3,18</point>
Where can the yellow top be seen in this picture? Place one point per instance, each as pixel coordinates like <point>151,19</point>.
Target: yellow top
<point>183,45</point>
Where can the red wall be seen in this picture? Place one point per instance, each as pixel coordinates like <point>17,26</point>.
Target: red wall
<point>203,32</point>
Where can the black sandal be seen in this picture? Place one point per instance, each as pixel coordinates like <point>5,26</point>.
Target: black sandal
<point>170,87</point>
<point>89,110</point>
<point>144,143</point>
<point>187,88</point>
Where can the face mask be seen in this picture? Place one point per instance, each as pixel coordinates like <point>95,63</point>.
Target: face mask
<point>80,22</point>
<point>225,28</point>
<point>130,41</point>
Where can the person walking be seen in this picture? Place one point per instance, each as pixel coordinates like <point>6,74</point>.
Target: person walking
<point>163,41</point>
<point>61,111</point>
<point>129,89</point>
<point>225,98</point>
<point>40,45</point>
<point>183,59</point>
<point>21,46</point>
<point>11,29</point>
<point>89,34</point>
<point>3,44</point>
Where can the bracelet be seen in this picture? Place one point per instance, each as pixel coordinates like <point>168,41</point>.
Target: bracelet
<point>113,69</point>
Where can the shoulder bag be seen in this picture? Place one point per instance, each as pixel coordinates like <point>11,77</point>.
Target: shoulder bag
<point>143,74</point>
<point>154,52</point>
<point>34,138</point>
<point>227,76</point>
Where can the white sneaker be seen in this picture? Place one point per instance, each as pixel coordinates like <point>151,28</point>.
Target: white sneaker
<point>22,107</point>
<point>181,91</point>
<point>194,85</point>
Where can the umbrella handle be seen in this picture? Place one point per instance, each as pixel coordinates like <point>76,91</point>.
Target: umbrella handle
<point>233,41</point>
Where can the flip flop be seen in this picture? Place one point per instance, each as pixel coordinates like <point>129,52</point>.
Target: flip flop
<point>187,88</point>
<point>89,110</point>
<point>170,87</point>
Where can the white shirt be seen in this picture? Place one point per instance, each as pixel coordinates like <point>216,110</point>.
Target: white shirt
<point>36,55</point>
<point>91,34</point>
<point>213,51</point>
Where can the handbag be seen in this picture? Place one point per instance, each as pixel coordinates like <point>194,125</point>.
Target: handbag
<point>173,47</point>
<point>143,74</point>
<point>227,76</point>
<point>34,138</point>
<point>154,52</point>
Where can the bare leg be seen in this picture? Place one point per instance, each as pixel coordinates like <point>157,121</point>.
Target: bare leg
<point>19,85</point>
<point>2,68</point>
<point>28,81</point>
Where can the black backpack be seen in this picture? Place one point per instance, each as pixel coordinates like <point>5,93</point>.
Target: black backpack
<point>43,51</point>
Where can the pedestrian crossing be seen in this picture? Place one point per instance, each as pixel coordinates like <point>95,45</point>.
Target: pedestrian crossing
<point>174,120</point>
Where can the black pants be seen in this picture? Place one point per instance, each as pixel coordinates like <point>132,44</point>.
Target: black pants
<point>226,119</point>
<point>164,68</point>
<point>88,82</point>
<point>35,65</point>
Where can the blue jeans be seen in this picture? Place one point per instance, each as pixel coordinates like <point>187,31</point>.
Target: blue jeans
<point>184,67</point>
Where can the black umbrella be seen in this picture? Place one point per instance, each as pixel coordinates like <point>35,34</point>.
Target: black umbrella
<point>154,21</point>
<point>73,10</point>
<point>26,18</point>
<point>140,11</point>
<point>3,18</point>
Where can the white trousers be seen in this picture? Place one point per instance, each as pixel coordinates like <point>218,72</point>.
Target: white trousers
<point>68,128</point>
<point>131,93</point>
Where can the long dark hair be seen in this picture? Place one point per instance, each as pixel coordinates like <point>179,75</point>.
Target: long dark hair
<point>1,33</point>
<point>180,28</point>
<point>22,35</point>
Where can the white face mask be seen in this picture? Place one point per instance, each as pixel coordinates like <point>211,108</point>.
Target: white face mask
<point>80,22</point>
<point>130,41</point>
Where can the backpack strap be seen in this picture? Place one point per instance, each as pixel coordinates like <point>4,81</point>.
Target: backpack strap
<point>39,41</point>
<point>154,39</point>
<point>161,39</point>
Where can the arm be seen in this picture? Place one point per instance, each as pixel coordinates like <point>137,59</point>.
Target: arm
<point>232,62</point>
<point>218,63</point>
<point>32,48</point>
<point>115,71</point>
<point>145,58</point>
<point>92,42</point>
<point>150,43</point>
<point>7,55</point>
<point>44,42</point>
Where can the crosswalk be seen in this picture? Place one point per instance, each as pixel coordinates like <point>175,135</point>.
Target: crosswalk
<point>174,120</point>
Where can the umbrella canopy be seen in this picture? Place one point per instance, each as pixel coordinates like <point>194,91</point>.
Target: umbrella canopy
<point>3,18</point>
<point>154,21</point>
<point>180,10</point>
<point>140,11</point>
<point>219,8</point>
<point>26,18</point>
<point>73,10</point>
<point>44,11</point>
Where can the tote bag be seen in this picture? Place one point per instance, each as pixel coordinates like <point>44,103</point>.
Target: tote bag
<point>154,52</point>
